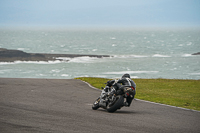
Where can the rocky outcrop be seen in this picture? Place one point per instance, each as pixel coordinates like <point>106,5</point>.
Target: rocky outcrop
<point>7,55</point>
<point>196,53</point>
<point>13,55</point>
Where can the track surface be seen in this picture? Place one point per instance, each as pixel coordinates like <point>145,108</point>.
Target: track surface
<point>64,105</point>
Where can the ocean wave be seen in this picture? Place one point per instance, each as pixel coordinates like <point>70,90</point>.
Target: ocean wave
<point>31,62</point>
<point>6,63</point>
<point>194,73</point>
<point>141,56</point>
<point>100,76</point>
<point>131,72</point>
<point>39,62</point>
<point>134,77</point>
<point>63,58</point>
<point>55,71</point>
<point>159,55</point>
<point>117,77</point>
<point>130,56</point>
<point>20,48</point>
<point>83,59</point>
<point>64,75</point>
<point>187,55</point>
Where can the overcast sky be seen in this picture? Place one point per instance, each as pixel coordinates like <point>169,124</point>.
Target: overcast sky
<point>124,13</point>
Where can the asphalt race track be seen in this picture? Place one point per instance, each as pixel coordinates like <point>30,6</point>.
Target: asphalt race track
<point>64,105</point>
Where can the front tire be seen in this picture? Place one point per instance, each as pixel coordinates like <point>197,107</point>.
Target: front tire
<point>95,105</point>
<point>116,104</point>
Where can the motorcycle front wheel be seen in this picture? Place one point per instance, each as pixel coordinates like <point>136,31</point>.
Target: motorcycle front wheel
<point>112,107</point>
<point>95,105</point>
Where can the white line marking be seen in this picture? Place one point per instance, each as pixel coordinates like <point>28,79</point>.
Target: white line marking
<point>167,105</point>
<point>91,85</point>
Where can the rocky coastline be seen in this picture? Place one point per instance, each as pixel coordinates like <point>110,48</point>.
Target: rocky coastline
<point>10,55</point>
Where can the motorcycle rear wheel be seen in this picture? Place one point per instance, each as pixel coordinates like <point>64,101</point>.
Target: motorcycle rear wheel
<point>95,105</point>
<point>116,104</point>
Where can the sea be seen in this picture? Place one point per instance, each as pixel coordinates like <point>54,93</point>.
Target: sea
<point>143,53</point>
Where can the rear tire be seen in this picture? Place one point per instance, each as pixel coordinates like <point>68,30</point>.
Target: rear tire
<point>95,105</point>
<point>116,105</point>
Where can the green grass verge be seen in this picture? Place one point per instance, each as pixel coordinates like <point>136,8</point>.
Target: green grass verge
<point>175,92</point>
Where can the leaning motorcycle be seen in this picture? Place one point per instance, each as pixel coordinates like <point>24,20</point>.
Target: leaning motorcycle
<point>112,102</point>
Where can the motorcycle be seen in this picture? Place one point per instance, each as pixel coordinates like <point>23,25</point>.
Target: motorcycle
<point>113,101</point>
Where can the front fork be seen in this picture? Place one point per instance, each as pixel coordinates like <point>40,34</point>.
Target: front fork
<point>109,99</point>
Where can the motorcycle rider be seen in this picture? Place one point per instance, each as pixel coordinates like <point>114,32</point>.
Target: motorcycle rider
<point>118,86</point>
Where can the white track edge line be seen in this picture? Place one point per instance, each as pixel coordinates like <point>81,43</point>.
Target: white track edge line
<point>90,85</point>
<point>147,101</point>
<point>167,105</point>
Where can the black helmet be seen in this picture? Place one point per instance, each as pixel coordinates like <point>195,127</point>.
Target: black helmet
<point>126,76</point>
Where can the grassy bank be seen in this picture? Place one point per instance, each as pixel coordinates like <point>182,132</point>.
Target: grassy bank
<point>180,93</point>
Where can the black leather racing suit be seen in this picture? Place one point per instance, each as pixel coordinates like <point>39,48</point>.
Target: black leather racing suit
<point>121,83</point>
